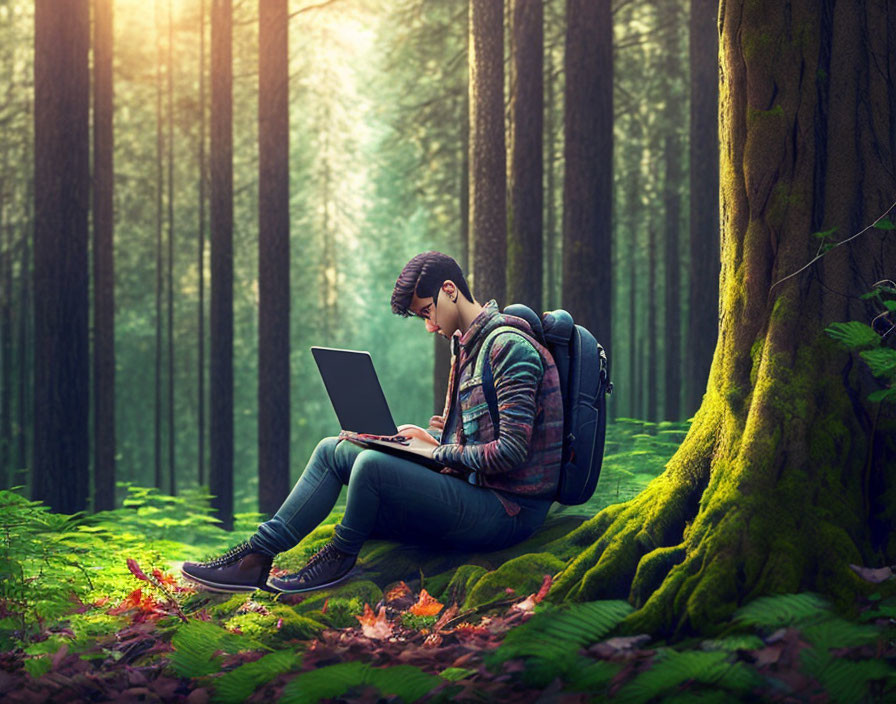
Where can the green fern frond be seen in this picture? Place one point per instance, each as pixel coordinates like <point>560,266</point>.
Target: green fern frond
<point>324,683</point>
<point>881,362</point>
<point>846,681</point>
<point>855,335</point>
<point>592,676</point>
<point>783,610</point>
<point>733,643</point>
<point>406,682</point>
<point>236,685</point>
<point>674,669</point>
<point>836,633</point>
<point>556,633</point>
<point>196,643</point>
<point>702,696</point>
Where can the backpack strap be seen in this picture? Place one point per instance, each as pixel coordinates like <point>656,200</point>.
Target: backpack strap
<point>483,369</point>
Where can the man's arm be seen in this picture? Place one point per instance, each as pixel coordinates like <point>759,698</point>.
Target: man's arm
<point>517,371</point>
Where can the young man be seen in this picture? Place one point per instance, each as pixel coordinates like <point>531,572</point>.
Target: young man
<point>496,485</point>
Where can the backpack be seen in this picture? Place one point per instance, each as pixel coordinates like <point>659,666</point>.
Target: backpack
<point>584,373</point>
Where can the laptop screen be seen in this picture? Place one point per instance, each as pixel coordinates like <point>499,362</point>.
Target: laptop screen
<point>354,391</point>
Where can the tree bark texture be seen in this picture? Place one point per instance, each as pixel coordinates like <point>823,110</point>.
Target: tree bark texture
<point>488,178</point>
<point>6,324</point>
<point>672,178</point>
<point>524,245</point>
<point>169,80</point>
<point>221,324</point>
<point>61,199</point>
<point>103,262</point>
<point>273,255</point>
<point>200,259</point>
<point>703,278</point>
<point>588,154</point>
<point>788,473</point>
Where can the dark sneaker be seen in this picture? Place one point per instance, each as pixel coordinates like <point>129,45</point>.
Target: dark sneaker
<point>240,569</point>
<point>328,566</point>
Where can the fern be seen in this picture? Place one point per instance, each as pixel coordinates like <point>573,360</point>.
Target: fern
<point>783,610</point>
<point>236,685</point>
<point>702,696</point>
<point>855,335</point>
<point>674,669</point>
<point>556,634</point>
<point>845,681</point>
<point>404,681</point>
<point>592,676</point>
<point>733,643</point>
<point>836,633</point>
<point>881,361</point>
<point>196,643</point>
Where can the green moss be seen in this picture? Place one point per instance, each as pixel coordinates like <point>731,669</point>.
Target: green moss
<point>461,584</point>
<point>652,570</point>
<point>754,115</point>
<point>523,574</point>
<point>264,627</point>
<point>363,590</point>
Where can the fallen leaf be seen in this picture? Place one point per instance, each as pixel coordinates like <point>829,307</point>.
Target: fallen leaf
<point>527,605</point>
<point>376,627</point>
<point>872,574</point>
<point>135,570</point>
<point>544,589</point>
<point>426,605</point>
<point>397,592</point>
<point>768,656</point>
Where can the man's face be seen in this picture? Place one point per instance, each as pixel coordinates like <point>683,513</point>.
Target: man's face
<point>441,318</point>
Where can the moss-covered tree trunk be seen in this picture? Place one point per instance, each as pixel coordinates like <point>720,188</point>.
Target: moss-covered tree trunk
<point>787,473</point>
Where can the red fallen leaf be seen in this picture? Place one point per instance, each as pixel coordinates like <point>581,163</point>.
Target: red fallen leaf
<point>166,580</point>
<point>433,640</point>
<point>397,592</point>
<point>426,605</point>
<point>545,588</point>
<point>135,570</point>
<point>131,601</point>
<point>323,609</point>
<point>471,629</point>
<point>102,601</point>
<point>376,627</point>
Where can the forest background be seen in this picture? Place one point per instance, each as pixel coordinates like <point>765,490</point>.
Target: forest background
<point>378,161</point>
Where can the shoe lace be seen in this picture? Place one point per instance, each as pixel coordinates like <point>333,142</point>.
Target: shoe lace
<point>235,552</point>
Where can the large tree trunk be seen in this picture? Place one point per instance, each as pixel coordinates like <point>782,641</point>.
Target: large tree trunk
<point>61,197</point>
<point>6,294</point>
<point>588,153</point>
<point>103,263</point>
<point>524,247</point>
<point>703,309</point>
<point>273,255</point>
<point>488,180</point>
<point>200,259</point>
<point>221,328</point>
<point>787,473</point>
<point>169,80</point>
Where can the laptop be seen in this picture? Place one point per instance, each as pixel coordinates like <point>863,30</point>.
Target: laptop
<point>361,407</point>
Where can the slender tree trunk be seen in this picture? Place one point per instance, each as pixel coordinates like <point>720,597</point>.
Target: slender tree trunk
<point>25,366</point>
<point>273,255</point>
<point>61,201</point>
<point>221,165</point>
<point>157,438</point>
<point>672,178</point>
<point>172,478</point>
<point>550,238</point>
<point>786,475</point>
<point>703,278</point>
<point>588,154</point>
<point>652,327</point>
<point>524,247</point>
<point>488,177</point>
<point>200,263</point>
<point>103,262</point>
<point>633,202</point>
<point>6,252</point>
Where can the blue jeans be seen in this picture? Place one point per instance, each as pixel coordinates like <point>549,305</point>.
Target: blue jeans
<point>396,499</point>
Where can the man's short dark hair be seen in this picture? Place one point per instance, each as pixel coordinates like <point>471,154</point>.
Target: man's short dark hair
<point>424,275</point>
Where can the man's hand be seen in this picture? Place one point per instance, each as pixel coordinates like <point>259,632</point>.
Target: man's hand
<point>415,431</point>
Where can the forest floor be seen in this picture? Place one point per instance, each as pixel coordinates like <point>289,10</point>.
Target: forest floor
<point>91,610</point>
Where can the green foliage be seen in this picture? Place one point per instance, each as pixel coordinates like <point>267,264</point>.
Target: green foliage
<point>236,686</point>
<point>453,674</point>
<point>404,681</point>
<point>341,611</point>
<point>730,644</point>
<point>845,681</point>
<point>783,610</point>
<point>673,669</point>
<point>196,644</point>
<point>854,334</point>
<point>551,639</point>
<point>834,632</point>
<point>417,623</point>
